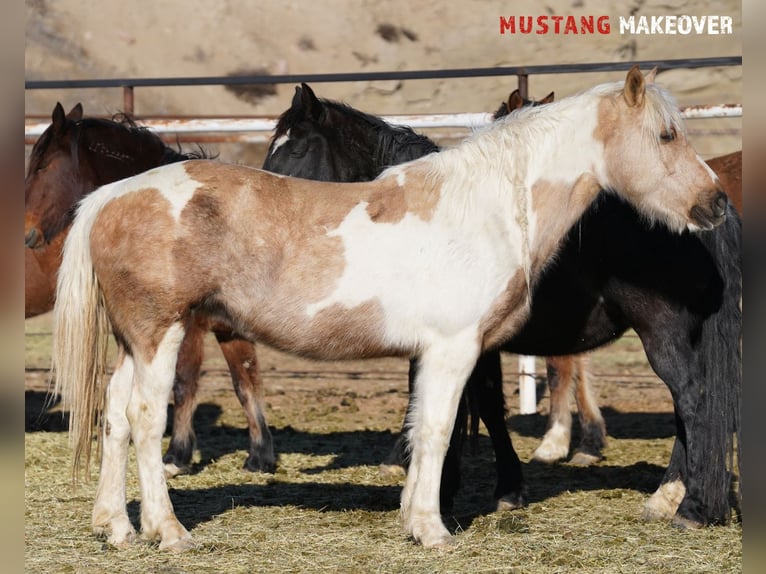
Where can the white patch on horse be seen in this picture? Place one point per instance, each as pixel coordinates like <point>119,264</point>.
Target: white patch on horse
<point>280,141</point>
<point>177,187</point>
<point>416,269</point>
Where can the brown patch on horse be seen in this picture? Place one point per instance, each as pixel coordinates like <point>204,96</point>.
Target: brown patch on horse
<point>551,218</point>
<point>135,266</point>
<point>390,202</point>
<point>728,168</point>
<point>507,314</point>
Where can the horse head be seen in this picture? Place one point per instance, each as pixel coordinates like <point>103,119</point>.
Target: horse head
<point>330,141</point>
<point>50,191</point>
<point>75,155</point>
<point>642,131</point>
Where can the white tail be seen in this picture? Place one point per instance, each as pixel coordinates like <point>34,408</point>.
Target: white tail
<point>80,334</point>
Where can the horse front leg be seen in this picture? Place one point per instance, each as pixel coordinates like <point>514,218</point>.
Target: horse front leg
<point>110,516</point>
<point>443,370</point>
<point>663,504</point>
<point>248,385</point>
<point>177,459</point>
<point>147,413</point>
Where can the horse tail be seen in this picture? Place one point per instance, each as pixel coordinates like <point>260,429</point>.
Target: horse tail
<point>720,364</point>
<point>80,334</point>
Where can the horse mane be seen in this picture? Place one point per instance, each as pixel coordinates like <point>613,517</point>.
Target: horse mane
<point>126,124</point>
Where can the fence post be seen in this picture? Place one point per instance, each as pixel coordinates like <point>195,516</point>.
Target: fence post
<point>527,385</point>
<point>523,85</point>
<point>127,100</point>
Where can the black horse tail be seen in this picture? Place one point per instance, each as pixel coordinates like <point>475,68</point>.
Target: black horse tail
<point>720,363</point>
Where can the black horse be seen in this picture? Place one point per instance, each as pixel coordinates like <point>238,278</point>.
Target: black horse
<point>680,293</point>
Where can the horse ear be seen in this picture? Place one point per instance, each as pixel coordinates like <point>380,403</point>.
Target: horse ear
<point>75,114</point>
<point>297,97</point>
<point>311,104</point>
<point>515,101</point>
<point>547,99</point>
<point>58,119</point>
<point>635,87</point>
<point>651,75</point>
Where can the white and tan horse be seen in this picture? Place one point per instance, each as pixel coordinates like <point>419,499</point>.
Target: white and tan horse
<point>437,259</point>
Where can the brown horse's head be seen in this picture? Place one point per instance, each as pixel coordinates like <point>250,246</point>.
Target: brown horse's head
<point>50,189</point>
<point>74,156</point>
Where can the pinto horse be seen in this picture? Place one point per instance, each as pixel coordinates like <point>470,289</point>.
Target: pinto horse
<point>311,140</point>
<point>435,259</point>
<point>589,292</point>
<point>74,156</point>
<point>330,141</point>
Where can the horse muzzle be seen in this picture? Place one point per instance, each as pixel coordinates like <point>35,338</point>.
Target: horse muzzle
<point>712,216</point>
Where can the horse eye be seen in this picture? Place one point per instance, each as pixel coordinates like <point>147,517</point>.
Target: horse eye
<point>668,136</point>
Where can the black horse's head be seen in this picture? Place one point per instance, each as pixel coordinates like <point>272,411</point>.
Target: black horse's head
<point>330,141</point>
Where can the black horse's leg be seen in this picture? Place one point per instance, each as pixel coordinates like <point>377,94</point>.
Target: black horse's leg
<point>663,504</point>
<point>699,460</point>
<point>486,384</point>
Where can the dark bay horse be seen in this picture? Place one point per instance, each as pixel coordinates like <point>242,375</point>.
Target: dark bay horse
<point>435,259</point>
<point>673,291</point>
<point>74,156</point>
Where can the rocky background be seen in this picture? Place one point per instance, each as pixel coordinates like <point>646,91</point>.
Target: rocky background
<point>77,39</point>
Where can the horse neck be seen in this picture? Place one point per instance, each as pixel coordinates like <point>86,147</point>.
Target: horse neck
<point>106,160</point>
<point>537,170</point>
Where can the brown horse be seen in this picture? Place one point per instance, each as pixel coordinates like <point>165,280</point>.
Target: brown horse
<point>74,156</point>
<point>434,259</point>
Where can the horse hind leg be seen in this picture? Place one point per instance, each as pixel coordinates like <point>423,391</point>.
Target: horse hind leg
<point>147,413</point>
<point>110,516</point>
<point>593,428</point>
<point>178,457</point>
<point>248,385</point>
<point>555,443</point>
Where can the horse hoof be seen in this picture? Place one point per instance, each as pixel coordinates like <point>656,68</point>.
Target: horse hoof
<point>683,523</point>
<point>254,465</point>
<point>179,545</point>
<point>550,454</point>
<point>584,459</point>
<point>391,471</point>
<point>512,501</point>
<point>172,470</point>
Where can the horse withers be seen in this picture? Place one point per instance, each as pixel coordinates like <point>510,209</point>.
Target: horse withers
<point>435,258</point>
